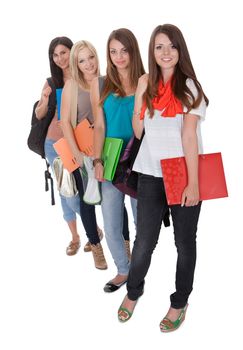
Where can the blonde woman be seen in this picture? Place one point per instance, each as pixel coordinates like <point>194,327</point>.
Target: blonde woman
<point>84,66</point>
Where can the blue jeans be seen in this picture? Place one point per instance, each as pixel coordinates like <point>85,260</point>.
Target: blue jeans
<point>71,205</point>
<point>152,206</point>
<point>75,204</point>
<point>112,206</point>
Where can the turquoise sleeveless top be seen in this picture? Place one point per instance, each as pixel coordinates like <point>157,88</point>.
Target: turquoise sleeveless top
<point>118,113</point>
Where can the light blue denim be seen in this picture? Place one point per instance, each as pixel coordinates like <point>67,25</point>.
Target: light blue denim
<point>112,206</point>
<point>70,205</point>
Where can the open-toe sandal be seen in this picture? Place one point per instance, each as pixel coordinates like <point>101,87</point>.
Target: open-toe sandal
<point>166,325</point>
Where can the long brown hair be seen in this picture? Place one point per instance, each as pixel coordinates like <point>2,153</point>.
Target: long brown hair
<point>56,72</point>
<point>112,80</point>
<point>183,70</point>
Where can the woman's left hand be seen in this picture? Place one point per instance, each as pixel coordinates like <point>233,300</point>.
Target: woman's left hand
<point>99,172</point>
<point>190,196</point>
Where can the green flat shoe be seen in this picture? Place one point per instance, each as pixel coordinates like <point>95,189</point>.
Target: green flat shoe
<point>166,325</point>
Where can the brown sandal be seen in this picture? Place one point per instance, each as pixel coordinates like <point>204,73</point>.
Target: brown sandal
<point>73,248</point>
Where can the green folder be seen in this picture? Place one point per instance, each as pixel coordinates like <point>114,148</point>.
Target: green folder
<point>110,155</point>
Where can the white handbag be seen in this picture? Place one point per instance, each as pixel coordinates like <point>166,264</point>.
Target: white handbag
<point>66,183</point>
<point>92,188</point>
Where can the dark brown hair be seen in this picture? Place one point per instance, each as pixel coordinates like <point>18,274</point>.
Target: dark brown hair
<point>183,70</point>
<point>112,81</point>
<point>56,72</point>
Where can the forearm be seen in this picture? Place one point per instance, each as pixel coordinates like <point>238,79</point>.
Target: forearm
<point>190,147</point>
<point>41,109</point>
<point>99,123</point>
<point>136,122</point>
<point>99,138</point>
<point>69,136</point>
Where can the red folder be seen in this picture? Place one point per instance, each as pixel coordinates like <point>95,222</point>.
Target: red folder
<point>212,182</point>
<point>84,135</point>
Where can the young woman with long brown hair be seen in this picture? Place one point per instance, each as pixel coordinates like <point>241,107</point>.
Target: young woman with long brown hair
<point>170,105</point>
<point>113,112</point>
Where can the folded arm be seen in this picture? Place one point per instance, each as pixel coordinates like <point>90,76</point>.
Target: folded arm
<point>66,122</point>
<point>42,106</point>
<point>99,128</point>
<point>137,123</point>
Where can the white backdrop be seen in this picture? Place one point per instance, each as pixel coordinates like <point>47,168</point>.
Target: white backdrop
<point>54,302</point>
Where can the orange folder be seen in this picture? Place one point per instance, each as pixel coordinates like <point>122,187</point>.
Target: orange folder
<point>212,182</point>
<point>63,150</point>
<point>84,135</point>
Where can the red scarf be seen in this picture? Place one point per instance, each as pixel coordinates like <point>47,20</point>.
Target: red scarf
<point>165,102</point>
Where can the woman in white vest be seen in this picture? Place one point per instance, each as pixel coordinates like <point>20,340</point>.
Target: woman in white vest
<point>170,105</point>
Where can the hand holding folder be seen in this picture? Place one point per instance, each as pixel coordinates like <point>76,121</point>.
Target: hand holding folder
<point>84,135</point>
<point>212,182</point>
<point>64,151</point>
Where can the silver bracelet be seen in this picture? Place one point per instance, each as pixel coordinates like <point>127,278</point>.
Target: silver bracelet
<point>136,114</point>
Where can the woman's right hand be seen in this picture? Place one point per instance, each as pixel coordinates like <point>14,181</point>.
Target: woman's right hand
<point>99,172</point>
<point>142,85</point>
<point>45,94</point>
<point>42,106</point>
<point>79,159</point>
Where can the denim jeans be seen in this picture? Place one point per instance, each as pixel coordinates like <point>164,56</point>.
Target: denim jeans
<point>152,205</point>
<point>112,206</point>
<point>75,204</point>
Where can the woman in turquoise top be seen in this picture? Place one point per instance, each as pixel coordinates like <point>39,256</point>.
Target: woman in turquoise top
<point>113,111</point>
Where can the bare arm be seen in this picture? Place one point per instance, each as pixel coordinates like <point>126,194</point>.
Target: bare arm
<point>66,122</point>
<point>190,194</point>
<point>42,106</point>
<point>99,127</point>
<point>136,122</point>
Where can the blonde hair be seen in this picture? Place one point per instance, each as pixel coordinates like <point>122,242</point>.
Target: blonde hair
<point>76,74</point>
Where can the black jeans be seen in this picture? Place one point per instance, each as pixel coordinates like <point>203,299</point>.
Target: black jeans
<point>125,232</point>
<point>87,212</point>
<point>152,206</point>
